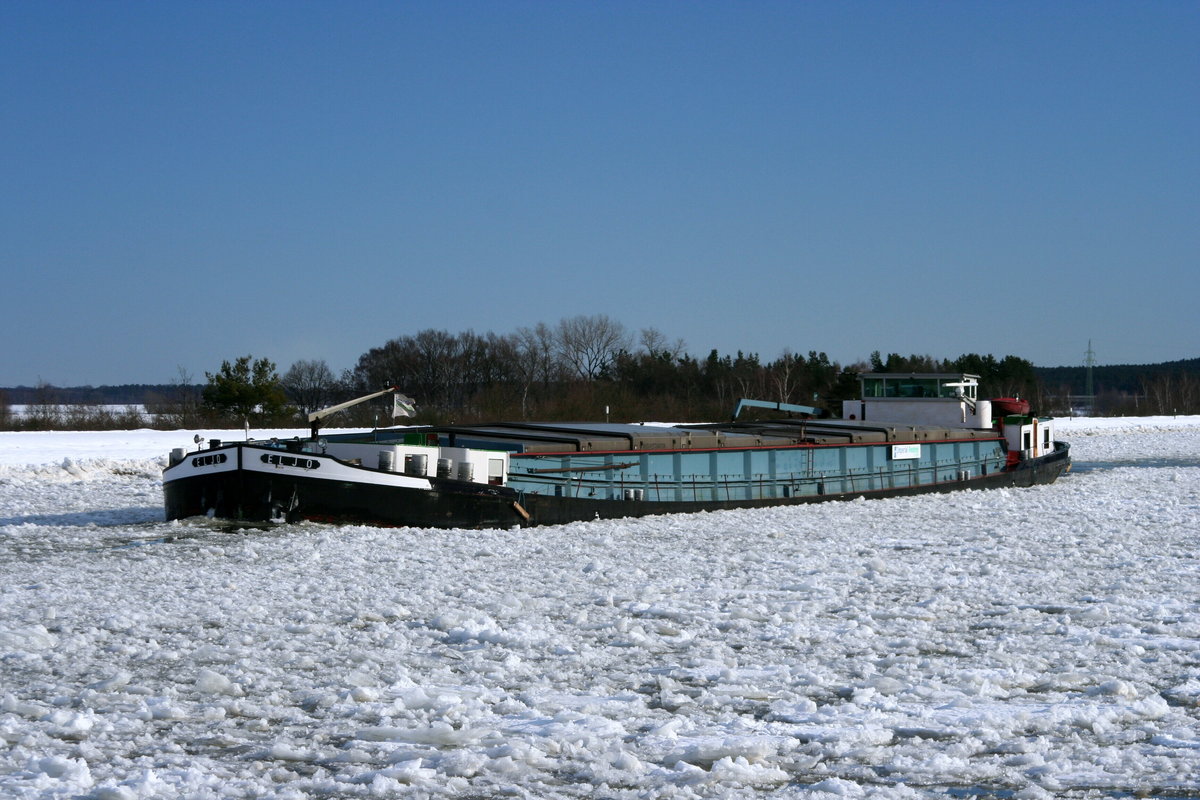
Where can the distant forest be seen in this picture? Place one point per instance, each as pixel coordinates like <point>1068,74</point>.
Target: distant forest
<point>584,368</point>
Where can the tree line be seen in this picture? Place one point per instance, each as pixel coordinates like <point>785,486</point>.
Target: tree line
<point>582,368</point>
<point>1172,387</point>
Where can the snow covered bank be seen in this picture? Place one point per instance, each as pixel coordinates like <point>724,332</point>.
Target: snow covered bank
<point>19,448</point>
<point>1015,643</point>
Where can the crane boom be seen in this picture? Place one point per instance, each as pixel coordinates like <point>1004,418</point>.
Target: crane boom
<point>315,417</point>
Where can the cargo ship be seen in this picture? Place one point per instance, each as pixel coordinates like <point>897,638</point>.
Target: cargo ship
<point>908,434</point>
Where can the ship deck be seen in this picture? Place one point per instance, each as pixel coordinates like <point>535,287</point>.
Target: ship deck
<point>537,438</point>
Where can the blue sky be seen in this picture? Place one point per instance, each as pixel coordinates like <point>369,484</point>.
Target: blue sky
<point>182,183</point>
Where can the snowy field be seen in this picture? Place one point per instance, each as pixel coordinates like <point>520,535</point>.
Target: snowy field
<point>1029,643</point>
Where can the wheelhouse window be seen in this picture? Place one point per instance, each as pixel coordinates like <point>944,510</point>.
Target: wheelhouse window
<point>920,386</point>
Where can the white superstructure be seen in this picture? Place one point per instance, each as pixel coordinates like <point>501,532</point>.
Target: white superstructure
<point>921,399</point>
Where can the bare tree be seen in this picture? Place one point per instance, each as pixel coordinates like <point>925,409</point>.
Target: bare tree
<point>536,361</point>
<point>1172,393</point>
<point>45,413</point>
<point>309,384</point>
<point>1159,392</point>
<point>655,343</point>
<point>178,407</point>
<point>784,374</point>
<point>436,359</point>
<point>1189,394</point>
<point>590,345</point>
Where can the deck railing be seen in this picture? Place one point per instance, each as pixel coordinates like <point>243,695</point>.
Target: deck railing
<point>706,487</point>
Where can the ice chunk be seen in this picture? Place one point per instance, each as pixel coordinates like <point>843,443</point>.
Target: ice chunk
<point>212,682</point>
<point>34,637</point>
<point>436,733</point>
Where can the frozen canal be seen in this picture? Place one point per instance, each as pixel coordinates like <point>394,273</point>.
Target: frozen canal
<point>1027,643</point>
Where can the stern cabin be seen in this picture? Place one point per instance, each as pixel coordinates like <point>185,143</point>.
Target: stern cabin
<point>949,399</point>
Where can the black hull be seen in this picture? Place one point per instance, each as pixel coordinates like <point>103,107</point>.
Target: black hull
<point>243,495</point>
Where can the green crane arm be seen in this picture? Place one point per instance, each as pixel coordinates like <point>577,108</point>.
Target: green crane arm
<point>746,402</point>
